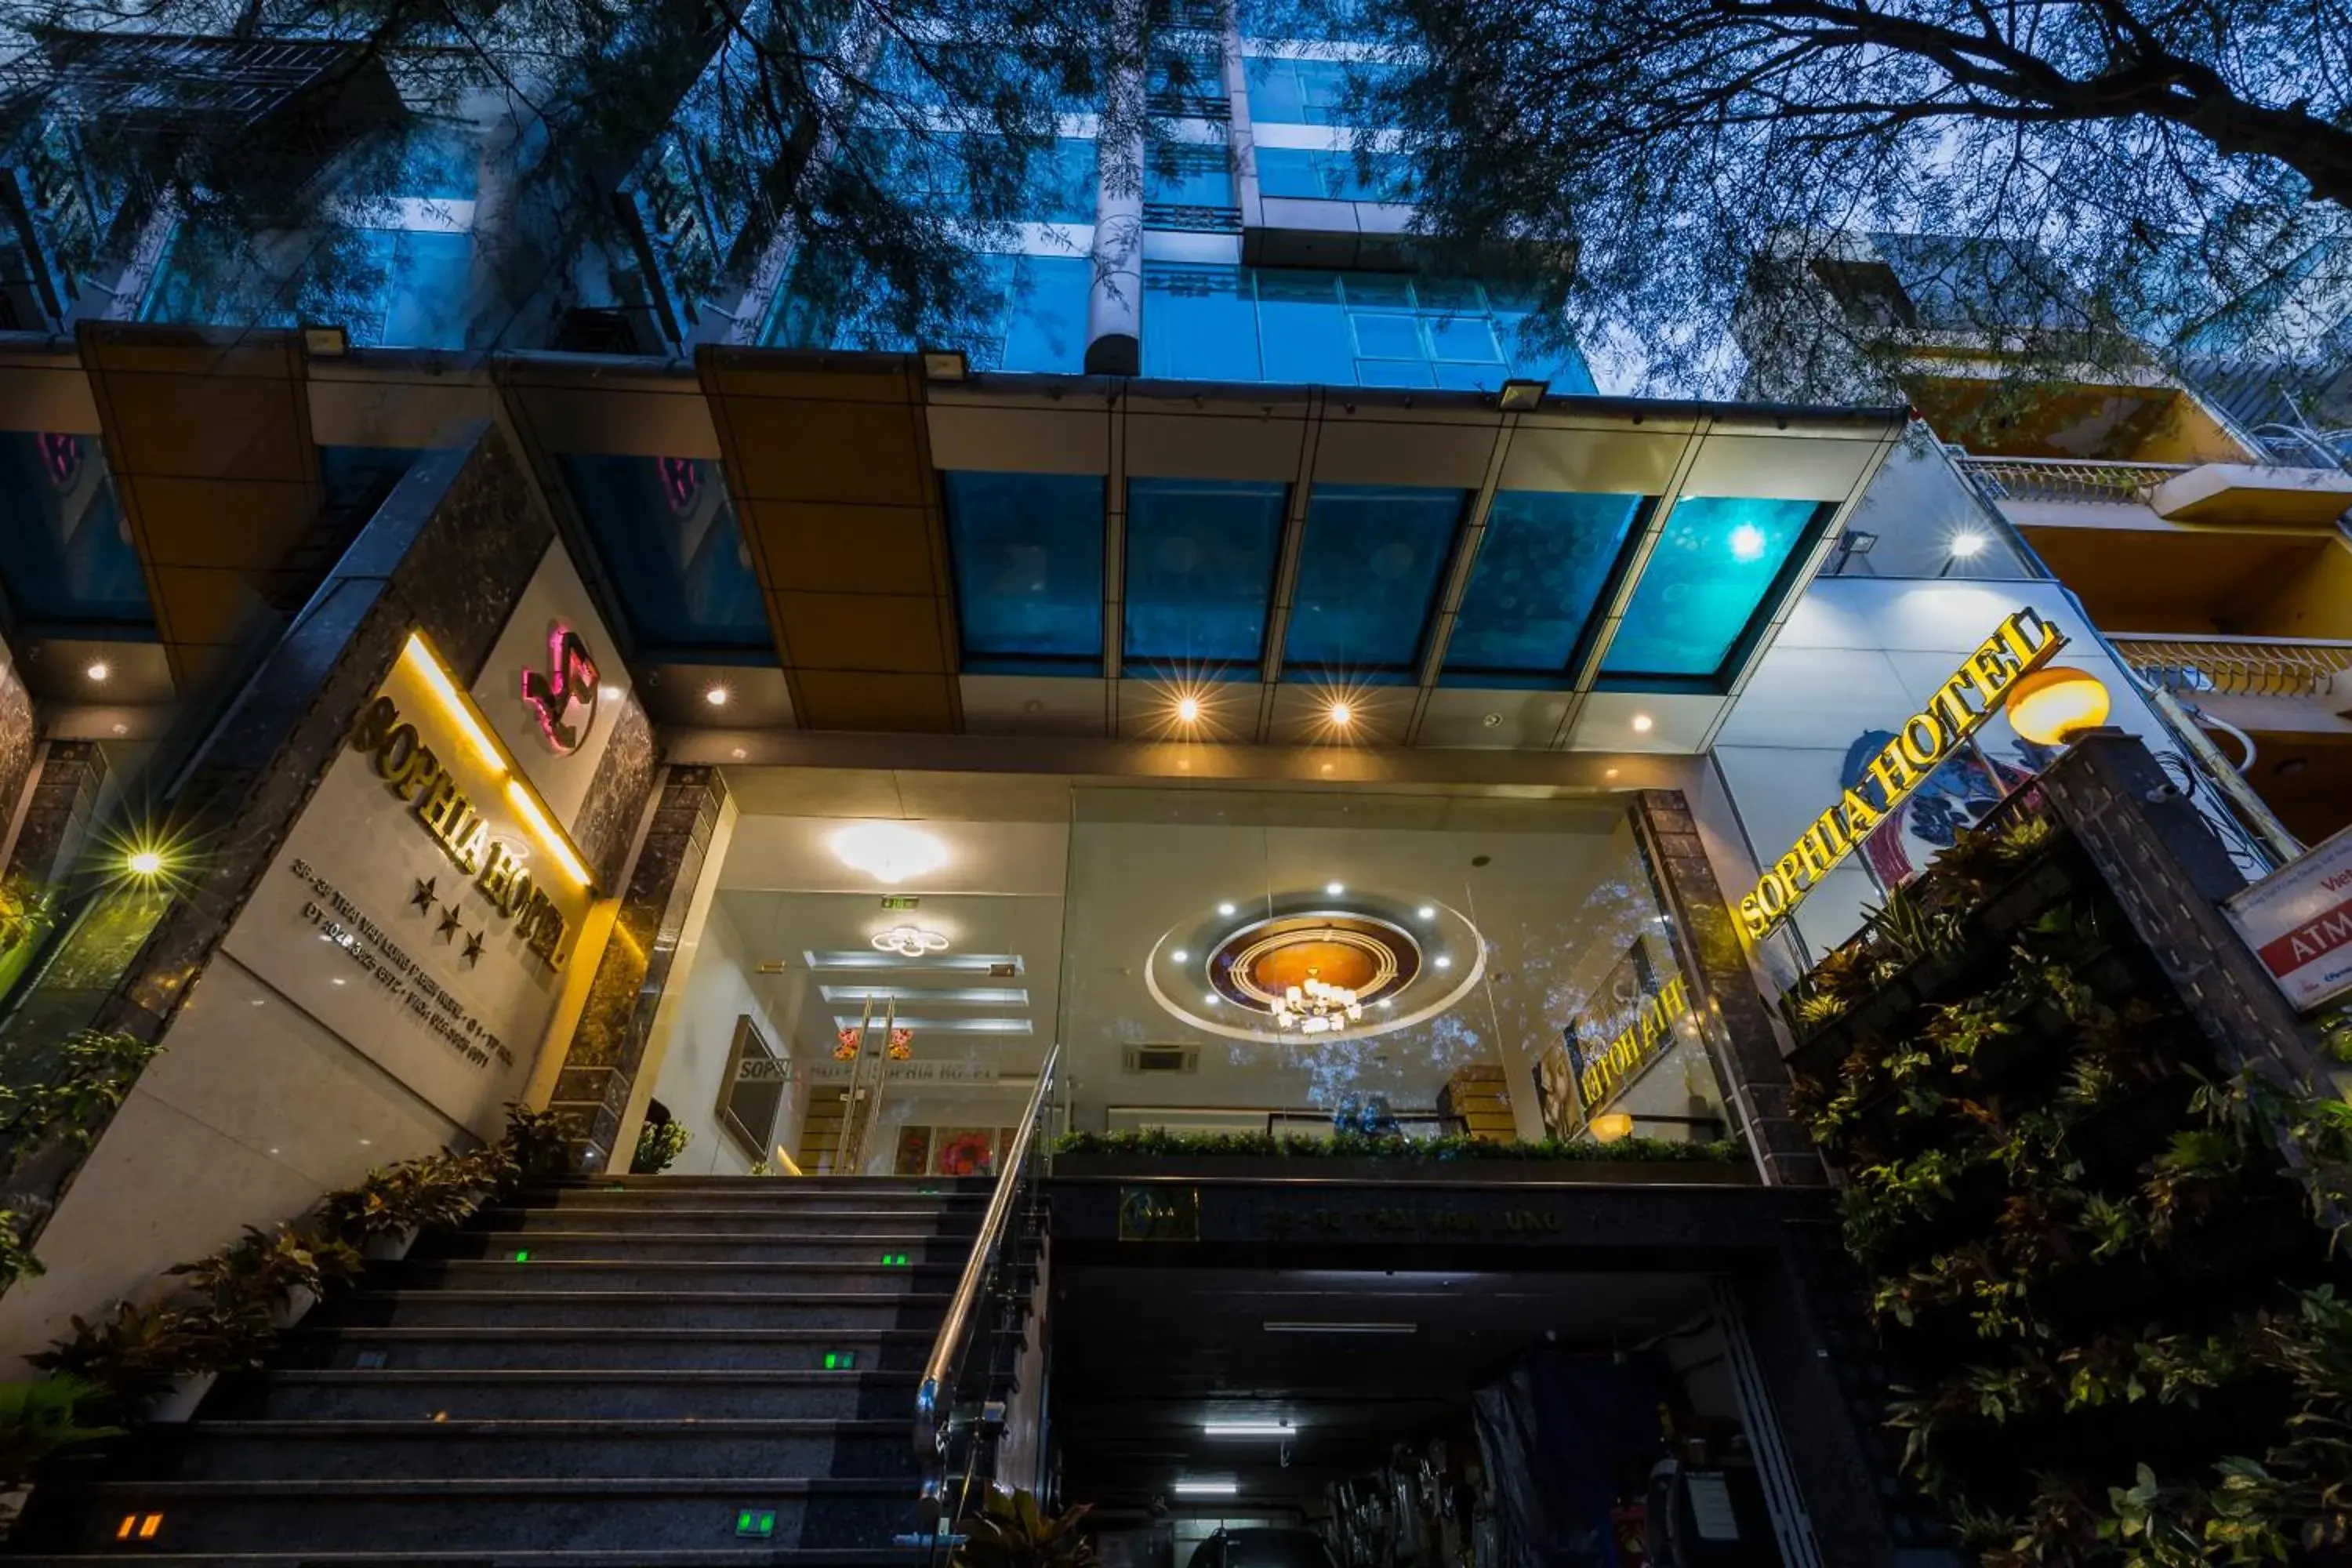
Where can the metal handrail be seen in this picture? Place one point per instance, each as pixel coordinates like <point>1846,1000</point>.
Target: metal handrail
<point>935,1396</point>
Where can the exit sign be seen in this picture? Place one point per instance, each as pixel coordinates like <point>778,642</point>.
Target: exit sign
<point>757,1523</point>
<point>900,902</point>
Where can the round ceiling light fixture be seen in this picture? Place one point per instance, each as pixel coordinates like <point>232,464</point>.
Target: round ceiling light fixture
<point>1314,973</point>
<point>889,851</point>
<point>909,941</point>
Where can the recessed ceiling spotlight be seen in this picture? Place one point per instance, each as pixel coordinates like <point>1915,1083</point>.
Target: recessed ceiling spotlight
<point>98,670</point>
<point>1442,962</point>
<point>1967,543</point>
<point>1213,998</point>
<point>1427,911</point>
<point>1387,1001</point>
<point>609,693</point>
<point>1340,713</point>
<point>1178,956</point>
<point>1643,723</point>
<point>1188,710</point>
<point>1335,889</point>
<point>1225,908</point>
<point>715,697</point>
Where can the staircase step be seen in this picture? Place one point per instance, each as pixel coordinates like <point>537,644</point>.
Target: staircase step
<point>679,1276</point>
<point>620,1217</point>
<point>684,1245</point>
<point>326,1450</point>
<point>588,1304</point>
<point>606,1393</point>
<point>900,1186</point>
<point>497,1512</point>
<point>520,1346</point>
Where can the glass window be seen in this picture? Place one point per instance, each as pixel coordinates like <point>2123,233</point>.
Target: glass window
<point>423,296</point>
<point>1189,175</point>
<point>1028,551</point>
<point>1306,92</point>
<point>1328,176</point>
<point>1715,570</point>
<point>1028,312</point>
<point>65,552</point>
<point>1341,329</point>
<point>1041,302</point>
<point>443,164</point>
<point>1472,927</point>
<point>1199,572</point>
<point>1368,572</point>
<point>665,531</point>
<point>1057,183</point>
<point>1306,336</point>
<point>1199,323</point>
<point>1541,570</point>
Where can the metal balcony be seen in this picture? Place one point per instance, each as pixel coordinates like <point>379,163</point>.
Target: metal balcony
<point>2066,480</point>
<point>2240,667</point>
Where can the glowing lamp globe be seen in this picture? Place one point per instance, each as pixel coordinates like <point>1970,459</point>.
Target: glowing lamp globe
<point>1609,1128</point>
<point>146,863</point>
<point>2054,704</point>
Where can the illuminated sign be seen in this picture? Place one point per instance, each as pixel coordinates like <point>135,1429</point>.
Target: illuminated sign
<point>438,803</point>
<point>562,697</point>
<point>2024,643</point>
<point>1604,1074</point>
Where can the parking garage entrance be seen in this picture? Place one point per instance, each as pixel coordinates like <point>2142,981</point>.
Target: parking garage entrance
<point>1467,1374</point>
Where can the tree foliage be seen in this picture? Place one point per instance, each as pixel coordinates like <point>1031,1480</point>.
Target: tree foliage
<point>2096,173</point>
<point>737,126</point>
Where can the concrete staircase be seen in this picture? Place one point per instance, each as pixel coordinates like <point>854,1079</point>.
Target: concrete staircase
<point>638,1370</point>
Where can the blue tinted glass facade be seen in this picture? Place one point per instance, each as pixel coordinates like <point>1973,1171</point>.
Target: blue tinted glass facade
<point>1029,315</point>
<point>1057,184</point>
<point>665,532</point>
<point>1717,568</point>
<point>1200,573</point>
<point>1028,552</point>
<point>1306,92</point>
<point>1367,575</point>
<point>1302,327</point>
<point>1189,175</point>
<point>66,557</point>
<point>1318,174</point>
<point>1536,584</point>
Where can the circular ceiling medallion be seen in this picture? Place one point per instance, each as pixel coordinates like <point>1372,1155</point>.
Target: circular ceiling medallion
<point>1266,961</point>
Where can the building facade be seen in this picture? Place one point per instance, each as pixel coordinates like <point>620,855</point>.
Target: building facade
<point>1244,683</point>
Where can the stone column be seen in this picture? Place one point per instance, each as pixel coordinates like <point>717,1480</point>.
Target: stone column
<point>593,1092</point>
<point>17,741</point>
<point>2169,873</point>
<point>58,816</point>
<point>1735,1023</point>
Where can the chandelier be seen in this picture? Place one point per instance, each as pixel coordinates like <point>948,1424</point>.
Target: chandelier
<point>1315,1008</point>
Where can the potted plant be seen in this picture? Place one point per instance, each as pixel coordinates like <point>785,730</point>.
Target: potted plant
<point>1012,1530</point>
<point>282,1271</point>
<point>38,1419</point>
<point>157,1362</point>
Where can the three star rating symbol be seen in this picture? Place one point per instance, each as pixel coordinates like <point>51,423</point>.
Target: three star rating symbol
<point>452,922</point>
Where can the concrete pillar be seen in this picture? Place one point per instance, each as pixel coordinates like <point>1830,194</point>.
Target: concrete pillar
<point>1733,1018</point>
<point>1115,291</point>
<point>596,1091</point>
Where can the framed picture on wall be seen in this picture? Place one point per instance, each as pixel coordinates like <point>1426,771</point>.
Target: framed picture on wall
<point>751,1091</point>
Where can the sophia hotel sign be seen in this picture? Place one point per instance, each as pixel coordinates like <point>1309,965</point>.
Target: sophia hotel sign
<point>1976,691</point>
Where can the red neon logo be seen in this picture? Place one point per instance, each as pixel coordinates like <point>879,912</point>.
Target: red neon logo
<point>562,697</point>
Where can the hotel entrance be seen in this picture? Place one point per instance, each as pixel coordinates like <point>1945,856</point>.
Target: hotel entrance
<point>874,973</point>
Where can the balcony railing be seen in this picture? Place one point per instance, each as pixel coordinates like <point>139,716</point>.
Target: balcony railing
<point>2239,667</point>
<point>2066,480</point>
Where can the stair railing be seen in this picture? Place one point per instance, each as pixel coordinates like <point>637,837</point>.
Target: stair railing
<point>955,1440</point>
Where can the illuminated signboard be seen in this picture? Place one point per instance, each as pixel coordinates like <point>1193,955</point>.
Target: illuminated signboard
<point>562,697</point>
<point>2024,643</point>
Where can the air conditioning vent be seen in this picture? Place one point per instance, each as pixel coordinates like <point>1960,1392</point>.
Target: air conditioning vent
<point>1163,1059</point>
